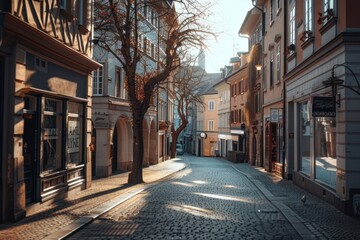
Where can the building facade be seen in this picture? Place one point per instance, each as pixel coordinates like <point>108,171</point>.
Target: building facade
<point>322,92</point>
<point>252,27</point>
<point>112,115</point>
<point>206,143</point>
<point>45,57</point>
<point>272,86</point>
<point>224,136</point>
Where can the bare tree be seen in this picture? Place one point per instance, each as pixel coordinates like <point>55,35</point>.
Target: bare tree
<point>187,83</point>
<point>120,26</point>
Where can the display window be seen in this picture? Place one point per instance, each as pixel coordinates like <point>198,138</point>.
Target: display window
<point>51,142</point>
<point>304,137</point>
<point>325,150</point>
<point>74,135</point>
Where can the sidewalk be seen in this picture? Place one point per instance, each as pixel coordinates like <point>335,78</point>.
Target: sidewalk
<point>64,217</point>
<point>313,219</point>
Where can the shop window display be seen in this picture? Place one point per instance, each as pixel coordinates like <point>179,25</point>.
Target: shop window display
<point>304,137</point>
<point>51,135</point>
<point>74,135</point>
<point>325,154</point>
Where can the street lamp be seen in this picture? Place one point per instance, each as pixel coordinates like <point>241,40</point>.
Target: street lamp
<point>334,82</point>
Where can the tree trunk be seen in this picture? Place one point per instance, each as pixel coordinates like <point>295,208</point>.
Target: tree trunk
<point>136,175</point>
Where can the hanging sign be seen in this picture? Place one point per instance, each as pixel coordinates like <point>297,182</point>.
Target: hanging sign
<point>323,106</point>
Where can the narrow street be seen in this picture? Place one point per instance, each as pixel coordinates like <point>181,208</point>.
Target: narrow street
<point>215,199</point>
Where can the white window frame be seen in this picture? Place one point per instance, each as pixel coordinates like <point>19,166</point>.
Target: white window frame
<point>211,125</point>
<point>292,22</point>
<point>98,81</point>
<point>278,62</point>
<point>308,15</point>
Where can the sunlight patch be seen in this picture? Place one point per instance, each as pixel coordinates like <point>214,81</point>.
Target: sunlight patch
<point>196,211</point>
<point>200,182</point>
<point>183,184</point>
<point>225,197</point>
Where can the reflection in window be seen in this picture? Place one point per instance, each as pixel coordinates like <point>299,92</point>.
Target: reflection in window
<point>325,153</point>
<point>304,138</point>
<point>51,135</point>
<point>74,135</point>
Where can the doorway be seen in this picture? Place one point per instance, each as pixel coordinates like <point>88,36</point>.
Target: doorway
<point>30,144</point>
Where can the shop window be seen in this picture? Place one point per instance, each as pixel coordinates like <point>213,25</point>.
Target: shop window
<point>325,150</point>
<point>51,143</point>
<point>304,138</point>
<point>74,135</point>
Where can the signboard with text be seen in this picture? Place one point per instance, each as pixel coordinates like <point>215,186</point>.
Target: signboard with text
<point>323,106</point>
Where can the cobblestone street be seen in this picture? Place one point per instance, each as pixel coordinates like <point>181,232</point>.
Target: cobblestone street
<point>215,199</point>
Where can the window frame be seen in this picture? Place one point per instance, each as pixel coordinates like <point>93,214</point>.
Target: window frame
<point>98,80</point>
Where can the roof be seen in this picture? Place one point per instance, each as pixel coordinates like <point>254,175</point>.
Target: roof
<point>252,16</point>
<point>209,81</point>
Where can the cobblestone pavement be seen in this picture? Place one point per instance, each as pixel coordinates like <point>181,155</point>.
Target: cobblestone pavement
<point>60,214</point>
<point>208,200</point>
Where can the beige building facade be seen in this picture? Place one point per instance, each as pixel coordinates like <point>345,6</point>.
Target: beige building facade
<point>45,55</point>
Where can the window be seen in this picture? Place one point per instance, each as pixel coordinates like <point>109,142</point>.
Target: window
<point>63,4</point>
<point>74,135</point>
<point>328,10</point>
<point>98,81</point>
<point>211,105</point>
<point>256,102</point>
<point>325,150</point>
<point>140,42</point>
<point>118,83</point>
<point>272,69</point>
<point>51,141</point>
<point>304,137</point>
<point>328,4</point>
<point>291,22</point>
<point>278,4</point>
<point>40,64</point>
<point>271,11</point>
<point>278,62</point>
<point>81,9</point>
<point>152,52</point>
<point>308,15</point>
<point>211,125</point>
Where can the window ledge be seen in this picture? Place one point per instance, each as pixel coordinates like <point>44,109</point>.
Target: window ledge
<point>307,42</point>
<point>330,23</point>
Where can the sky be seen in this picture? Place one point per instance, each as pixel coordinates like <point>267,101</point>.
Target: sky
<point>226,18</point>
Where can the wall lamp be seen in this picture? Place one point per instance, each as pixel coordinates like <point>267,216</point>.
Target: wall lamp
<point>334,82</point>
<point>258,67</point>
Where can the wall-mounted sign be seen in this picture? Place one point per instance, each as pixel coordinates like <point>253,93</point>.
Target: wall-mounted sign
<point>323,106</point>
<point>274,115</point>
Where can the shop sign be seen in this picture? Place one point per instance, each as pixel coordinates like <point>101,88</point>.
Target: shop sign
<point>323,106</point>
<point>101,121</point>
<point>274,115</point>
